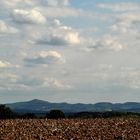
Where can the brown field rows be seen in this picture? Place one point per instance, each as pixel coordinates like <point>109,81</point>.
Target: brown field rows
<point>70,129</point>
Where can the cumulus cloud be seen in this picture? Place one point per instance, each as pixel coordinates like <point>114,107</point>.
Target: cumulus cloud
<point>130,17</point>
<point>28,16</point>
<point>45,58</point>
<point>125,15</point>
<point>59,35</point>
<point>107,43</point>
<point>5,64</point>
<point>121,27</point>
<point>6,29</point>
<point>58,2</point>
<point>124,22</point>
<point>56,23</point>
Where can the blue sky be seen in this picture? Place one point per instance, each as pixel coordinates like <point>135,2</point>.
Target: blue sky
<point>70,50</point>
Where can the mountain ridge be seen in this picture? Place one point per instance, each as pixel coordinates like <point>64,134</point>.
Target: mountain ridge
<point>37,105</point>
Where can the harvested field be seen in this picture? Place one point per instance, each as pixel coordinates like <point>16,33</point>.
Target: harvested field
<point>70,129</point>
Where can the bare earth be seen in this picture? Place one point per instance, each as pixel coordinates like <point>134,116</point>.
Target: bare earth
<point>70,129</point>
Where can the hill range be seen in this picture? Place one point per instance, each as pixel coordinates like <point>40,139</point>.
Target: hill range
<point>40,106</point>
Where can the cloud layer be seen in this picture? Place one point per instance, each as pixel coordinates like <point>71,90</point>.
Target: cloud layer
<point>65,50</point>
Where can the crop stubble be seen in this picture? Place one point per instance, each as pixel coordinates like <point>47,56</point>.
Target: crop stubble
<point>70,129</point>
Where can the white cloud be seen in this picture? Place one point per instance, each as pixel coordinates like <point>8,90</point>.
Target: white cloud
<point>121,27</point>
<point>56,22</point>
<point>58,2</point>
<point>126,15</point>
<point>59,35</point>
<point>28,16</point>
<point>5,64</point>
<point>130,17</point>
<point>126,21</point>
<point>107,43</point>
<point>50,8</point>
<point>6,29</point>
<point>45,58</point>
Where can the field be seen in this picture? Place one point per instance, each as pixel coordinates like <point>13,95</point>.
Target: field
<point>70,129</point>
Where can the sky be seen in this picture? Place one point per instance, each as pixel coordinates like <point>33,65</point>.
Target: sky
<point>71,51</point>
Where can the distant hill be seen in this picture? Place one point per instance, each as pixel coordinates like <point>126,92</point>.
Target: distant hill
<point>38,106</point>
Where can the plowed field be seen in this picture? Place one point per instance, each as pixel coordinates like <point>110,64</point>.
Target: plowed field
<point>70,129</point>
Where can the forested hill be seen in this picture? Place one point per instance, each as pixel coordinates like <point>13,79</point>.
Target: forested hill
<point>45,106</point>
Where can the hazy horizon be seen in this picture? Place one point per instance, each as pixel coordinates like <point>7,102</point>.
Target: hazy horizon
<point>73,51</point>
<point>67,102</point>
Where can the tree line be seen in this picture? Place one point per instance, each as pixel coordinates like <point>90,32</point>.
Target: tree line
<point>7,113</point>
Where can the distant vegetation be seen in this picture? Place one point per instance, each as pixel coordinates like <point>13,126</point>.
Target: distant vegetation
<point>109,114</point>
<point>7,113</point>
<point>55,114</point>
<point>28,116</point>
